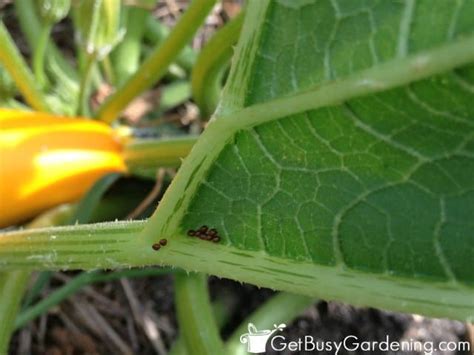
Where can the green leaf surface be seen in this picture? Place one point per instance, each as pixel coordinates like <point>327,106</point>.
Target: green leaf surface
<point>376,182</point>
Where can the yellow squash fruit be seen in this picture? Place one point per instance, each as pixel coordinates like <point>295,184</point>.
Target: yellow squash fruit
<point>46,160</point>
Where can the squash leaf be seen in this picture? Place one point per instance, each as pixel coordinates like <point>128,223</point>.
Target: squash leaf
<point>342,150</point>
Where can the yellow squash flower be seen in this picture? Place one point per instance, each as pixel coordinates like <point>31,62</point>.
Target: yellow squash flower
<point>46,160</point>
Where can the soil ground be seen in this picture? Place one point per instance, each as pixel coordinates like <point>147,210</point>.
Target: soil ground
<point>103,319</point>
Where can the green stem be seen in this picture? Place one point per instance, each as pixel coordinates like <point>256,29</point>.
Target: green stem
<point>56,216</point>
<point>108,70</point>
<point>120,245</point>
<point>78,282</point>
<point>14,63</point>
<point>62,75</point>
<point>87,59</point>
<point>34,291</point>
<point>174,94</point>
<point>156,33</point>
<point>12,287</point>
<point>85,86</point>
<point>211,64</point>
<point>195,316</point>
<point>282,308</point>
<point>155,66</point>
<point>31,26</point>
<point>39,55</point>
<point>222,309</point>
<point>127,54</point>
<point>143,156</point>
<point>14,104</point>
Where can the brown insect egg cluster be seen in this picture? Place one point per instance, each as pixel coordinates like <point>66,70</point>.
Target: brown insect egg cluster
<point>204,233</point>
<point>161,243</point>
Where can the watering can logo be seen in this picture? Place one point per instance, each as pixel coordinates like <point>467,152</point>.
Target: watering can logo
<point>256,340</point>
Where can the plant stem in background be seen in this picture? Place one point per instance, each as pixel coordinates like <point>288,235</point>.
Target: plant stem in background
<point>174,94</point>
<point>144,156</point>
<point>281,308</point>
<point>156,65</point>
<point>126,56</point>
<point>78,282</point>
<point>60,73</point>
<point>195,315</point>
<point>85,86</point>
<point>88,27</point>
<point>50,12</point>
<point>223,308</point>
<point>12,287</point>
<point>42,279</point>
<point>39,54</point>
<point>31,26</point>
<point>16,66</point>
<point>14,104</point>
<point>108,69</point>
<point>156,33</point>
<point>211,64</point>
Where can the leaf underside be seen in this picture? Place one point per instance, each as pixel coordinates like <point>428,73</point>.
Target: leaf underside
<point>381,184</point>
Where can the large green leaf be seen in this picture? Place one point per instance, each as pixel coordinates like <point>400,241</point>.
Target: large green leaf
<point>375,183</point>
<point>379,184</point>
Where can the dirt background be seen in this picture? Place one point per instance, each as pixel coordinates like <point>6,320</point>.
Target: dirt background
<point>138,317</point>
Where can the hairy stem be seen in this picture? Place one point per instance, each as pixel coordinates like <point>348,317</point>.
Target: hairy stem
<point>120,245</point>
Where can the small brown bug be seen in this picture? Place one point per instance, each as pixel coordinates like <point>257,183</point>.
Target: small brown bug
<point>163,242</point>
<point>212,232</point>
<point>156,246</point>
<point>204,233</point>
